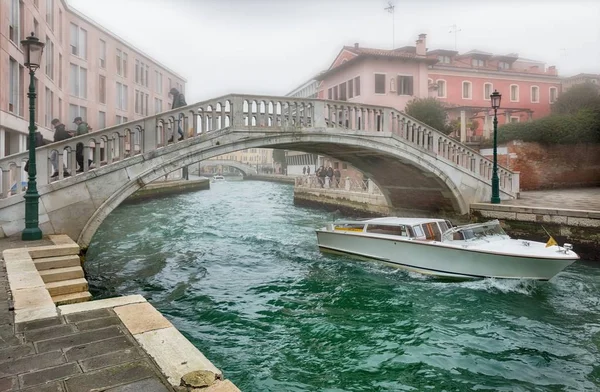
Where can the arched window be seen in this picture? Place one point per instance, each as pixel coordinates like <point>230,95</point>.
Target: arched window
<point>487,91</point>
<point>441,88</point>
<point>467,90</point>
<point>535,94</point>
<point>553,94</point>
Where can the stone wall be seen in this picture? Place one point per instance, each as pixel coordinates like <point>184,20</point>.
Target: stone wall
<point>547,167</point>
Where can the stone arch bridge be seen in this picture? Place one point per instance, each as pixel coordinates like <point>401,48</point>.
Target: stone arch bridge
<point>415,166</point>
<point>246,170</point>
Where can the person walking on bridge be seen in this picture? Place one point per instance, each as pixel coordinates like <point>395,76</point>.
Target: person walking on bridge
<point>178,102</point>
<point>60,134</point>
<point>82,129</point>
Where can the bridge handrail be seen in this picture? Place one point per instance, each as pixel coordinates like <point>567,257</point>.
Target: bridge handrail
<point>244,111</point>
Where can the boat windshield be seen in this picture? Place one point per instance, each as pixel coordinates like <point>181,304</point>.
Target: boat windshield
<point>475,231</point>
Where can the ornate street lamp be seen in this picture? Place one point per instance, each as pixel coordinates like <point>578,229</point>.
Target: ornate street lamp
<point>495,98</point>
<point>32,49</point>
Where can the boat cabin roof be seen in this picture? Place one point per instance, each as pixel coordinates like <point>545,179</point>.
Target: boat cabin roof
<point>392,221</point>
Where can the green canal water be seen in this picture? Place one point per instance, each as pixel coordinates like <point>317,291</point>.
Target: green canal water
<point>237,270</point>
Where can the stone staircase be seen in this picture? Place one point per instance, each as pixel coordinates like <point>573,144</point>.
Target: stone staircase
<point>63,277</point>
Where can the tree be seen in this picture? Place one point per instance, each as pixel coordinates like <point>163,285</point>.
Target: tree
<point>579,97</point>
<point>429,111</point>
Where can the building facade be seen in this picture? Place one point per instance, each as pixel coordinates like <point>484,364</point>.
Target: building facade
<point>86,71</point>
<point>378,77</point>
<point>259,158</point>
<point>581,78</point>
<point>466,81</point>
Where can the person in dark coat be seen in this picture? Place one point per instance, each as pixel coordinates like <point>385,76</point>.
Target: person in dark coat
<point>178,102</point>
<point>60,134</point>
<point>39,141</point>
<point>337,175</point>
<point>82,129</point>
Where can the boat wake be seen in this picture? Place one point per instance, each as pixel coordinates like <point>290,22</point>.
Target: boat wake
<point>521,286</point>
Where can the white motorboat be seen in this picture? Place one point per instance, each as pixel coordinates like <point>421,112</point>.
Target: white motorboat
<point>218,178</point>
<point>433,246</point>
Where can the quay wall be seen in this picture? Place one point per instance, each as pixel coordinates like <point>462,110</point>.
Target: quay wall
<point>553,166</point>
<point>171,187</point>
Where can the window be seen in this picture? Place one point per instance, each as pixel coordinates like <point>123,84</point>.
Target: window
<point>335,93</point>
<point>535,94</point>
<point>49,108</point>
<point>159,82</point>
<point>477,63</point>
<point>121,119</point>
<point>137,101</point>
<point>503,65</point>
<point>77,111</point>
<point>357,86</point>
<point>60,26</point>
<point>121,96</point>
<point>388,230</point>
<point>78,41</point>
<point>350,88</point>
<point>515,119</point>
<point>146,77</point>
<point>121,63</point>
<point>379,84</point>
<point>14,28</point>
<point>553,94</point>
<point>13,90</point>
<point>60,71</point>
<point>49,50</point>
<point>102,89</point>
<point>514,93</point>
<point>444,59</point>
<point>137,71</point>
<point>330,93</point>
<point>342,89</point>
<point>101,120</point>
<point>157,106</point>
<point>467,90</point>
<point>102,54</point>
<point>36,28</point>
<point>59,108</point>
<point>50,13</point>
<point>487,91</point>
<point>78,81</point>
<point>441,89</point>
<point>405,85</point>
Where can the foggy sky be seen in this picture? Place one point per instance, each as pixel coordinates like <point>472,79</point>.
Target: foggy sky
<point>270,46</point>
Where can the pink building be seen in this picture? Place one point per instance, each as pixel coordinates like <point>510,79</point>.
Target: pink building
<point>86,71</point>
<point>465,82</point>
<point>377,76</point>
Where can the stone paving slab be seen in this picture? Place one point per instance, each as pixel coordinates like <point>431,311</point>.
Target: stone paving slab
<point>570,199</point>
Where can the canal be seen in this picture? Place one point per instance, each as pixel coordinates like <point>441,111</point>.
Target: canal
<point>237,270</point>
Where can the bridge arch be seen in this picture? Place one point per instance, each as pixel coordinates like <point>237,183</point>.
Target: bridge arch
<point>245,169</point>
<point>408,177</point>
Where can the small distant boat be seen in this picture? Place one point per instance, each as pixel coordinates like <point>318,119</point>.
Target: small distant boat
<point>435,247</point>
<point>218,178</point>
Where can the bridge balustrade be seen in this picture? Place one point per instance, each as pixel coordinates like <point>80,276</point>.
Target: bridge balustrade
<point>243,112</point>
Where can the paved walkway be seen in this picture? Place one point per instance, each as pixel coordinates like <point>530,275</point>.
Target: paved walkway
<point>79,352</point>
<point>574,199</point>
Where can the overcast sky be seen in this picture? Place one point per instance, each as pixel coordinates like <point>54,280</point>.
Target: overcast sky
<point>271,46</point>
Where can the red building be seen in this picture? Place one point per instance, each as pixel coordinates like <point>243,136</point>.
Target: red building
<point>465,82</point>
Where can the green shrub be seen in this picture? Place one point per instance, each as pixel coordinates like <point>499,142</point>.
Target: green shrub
<point>582,127</point>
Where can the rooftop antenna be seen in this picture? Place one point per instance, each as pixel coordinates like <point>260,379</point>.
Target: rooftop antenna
<point>454,29</point>
<point>391,8</point>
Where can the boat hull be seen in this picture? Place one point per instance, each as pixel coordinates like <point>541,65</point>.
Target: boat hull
<point>447,261</point>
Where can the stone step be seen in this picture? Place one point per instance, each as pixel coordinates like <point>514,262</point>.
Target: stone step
<point>72,298</point>
<point>60,274</point>
<point>67,287</point>
<point>57,262</point>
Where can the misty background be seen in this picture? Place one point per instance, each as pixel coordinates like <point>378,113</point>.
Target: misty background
<point>270,47</point>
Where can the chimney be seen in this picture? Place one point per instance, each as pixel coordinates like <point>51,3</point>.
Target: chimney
<point>356,45</point>
<point>422,45</point>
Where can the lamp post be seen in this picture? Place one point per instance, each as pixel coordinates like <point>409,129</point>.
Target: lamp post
<point>495,98</point>
<point>32,49</point>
